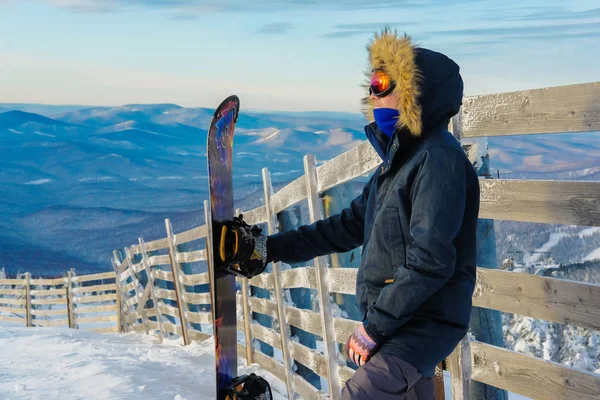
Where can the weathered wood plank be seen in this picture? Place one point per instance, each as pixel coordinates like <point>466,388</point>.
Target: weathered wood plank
<point>199,317</point>
<point>49,292</point>
<point>343,280</point>
<point>171,328</point>
<point>191,256</point>
<point>151,287</point>
<point>289,195</point>
<point>303,277</point>
<point>266,335</point>
<point>255,216</point>
<point>570,108</point>
<point>166,294</point>
<point>322,282</point>
<point>94,277</point>
<point>197,335</point>
<point>95,309</point>
<point>157,244</point>
<point>306,320</point>
<point>12,319</point>
<point>49,282</point>
<point>310,358</point>
<point>459,365</point>
<point>359,161</point>
<point>279,295</point>
<point>195,279</point>
<point>99,298</point>
<point>344,328</point>
<point>159,260</point>
<point>196,298</point>
<point>263,281</point>
<point>97,288</point>
<point>14,292</point>
<point>545,201</point>
<point>16,302</point>
<point>13,282</point>
<point>61,312</point>
<point>62,300</point>
<point>530,376</point>
<point>163,275</point>
<point>12,310</point>
<point>190,235</point>
<point>551,299</point>
<point>263,306</point>
<point>97,318</point>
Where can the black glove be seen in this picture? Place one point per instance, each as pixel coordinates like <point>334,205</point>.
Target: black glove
<point>248,387</point>
<point>240,248</point>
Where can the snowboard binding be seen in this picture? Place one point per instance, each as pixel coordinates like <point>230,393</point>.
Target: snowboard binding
<point>241,249</point>
<point>248,387</point>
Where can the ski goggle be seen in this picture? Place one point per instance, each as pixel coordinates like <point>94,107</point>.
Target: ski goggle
<point>381,84</point>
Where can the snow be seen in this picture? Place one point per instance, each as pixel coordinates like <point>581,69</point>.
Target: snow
<point>59,363</point>
<point>589,231</point>
<point>39,182</point>
<point>552,241</point>
<point>593,255</point>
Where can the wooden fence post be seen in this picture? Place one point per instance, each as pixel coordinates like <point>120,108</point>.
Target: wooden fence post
<point>136,287</point>
<point>121,298</point>
<point>245,284</point>
<point>181,305</point>
<point>459,363</point>
<point>283,325</point>
<point>150,284</point>
<point>485,324</point>
<point>322,277</point>
<point>28,299</point>
<point>70,304</point>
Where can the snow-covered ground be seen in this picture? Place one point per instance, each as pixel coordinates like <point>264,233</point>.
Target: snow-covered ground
<point>61,363</point>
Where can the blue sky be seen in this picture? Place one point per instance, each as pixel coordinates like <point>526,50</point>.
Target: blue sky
<point>277,54</point>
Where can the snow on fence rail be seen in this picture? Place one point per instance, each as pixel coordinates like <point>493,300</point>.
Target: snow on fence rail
<point>87,301</point>
<point>573,108</point>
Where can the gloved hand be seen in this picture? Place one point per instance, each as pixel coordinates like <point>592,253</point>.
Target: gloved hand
<point>363,344</point>
<point>240,248</point>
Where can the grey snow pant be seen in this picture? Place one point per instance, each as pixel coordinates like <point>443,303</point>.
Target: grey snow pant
<point>386,377</point>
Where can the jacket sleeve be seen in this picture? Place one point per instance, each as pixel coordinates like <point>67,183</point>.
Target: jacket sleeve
<point>336,234</point>
<point>438,202</point>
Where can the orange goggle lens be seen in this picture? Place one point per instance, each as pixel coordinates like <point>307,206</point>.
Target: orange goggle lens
<point>380,83</point>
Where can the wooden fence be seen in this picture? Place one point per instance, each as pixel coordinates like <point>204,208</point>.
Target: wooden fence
<point>155,294</point>
<point>86,301</point>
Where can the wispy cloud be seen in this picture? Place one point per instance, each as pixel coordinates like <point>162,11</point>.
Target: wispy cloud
<point>275,28</point>
<point>204,6</point>
<point>518,32</point>
<point>348,30</point>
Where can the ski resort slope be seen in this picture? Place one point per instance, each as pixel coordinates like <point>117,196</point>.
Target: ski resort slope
<point>67,364</point>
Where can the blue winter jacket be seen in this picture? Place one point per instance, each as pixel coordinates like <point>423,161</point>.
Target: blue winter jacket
<point>416,220</point>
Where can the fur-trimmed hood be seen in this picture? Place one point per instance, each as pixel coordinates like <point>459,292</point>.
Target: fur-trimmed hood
<point>428,83</point>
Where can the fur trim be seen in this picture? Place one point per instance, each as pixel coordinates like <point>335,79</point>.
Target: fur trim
<point>396,55</point>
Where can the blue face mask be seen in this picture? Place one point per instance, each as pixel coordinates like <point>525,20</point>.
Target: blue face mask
<point>386,119</point>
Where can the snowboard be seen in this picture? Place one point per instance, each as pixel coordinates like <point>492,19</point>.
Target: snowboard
<point>219,155</point>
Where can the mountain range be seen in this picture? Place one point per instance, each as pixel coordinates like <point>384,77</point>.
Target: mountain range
<point>78,182</point>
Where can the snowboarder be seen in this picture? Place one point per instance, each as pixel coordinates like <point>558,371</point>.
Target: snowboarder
<point>416,220</point>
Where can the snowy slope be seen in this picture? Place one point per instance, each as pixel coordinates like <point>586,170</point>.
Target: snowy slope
<point>61,363</point>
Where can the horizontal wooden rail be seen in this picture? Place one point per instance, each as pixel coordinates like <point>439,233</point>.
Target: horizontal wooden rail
<point>571,108</point>
<point>93,277</point>
<point>551,299</point>
<point>530,376</point>
<point>552,202</point>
